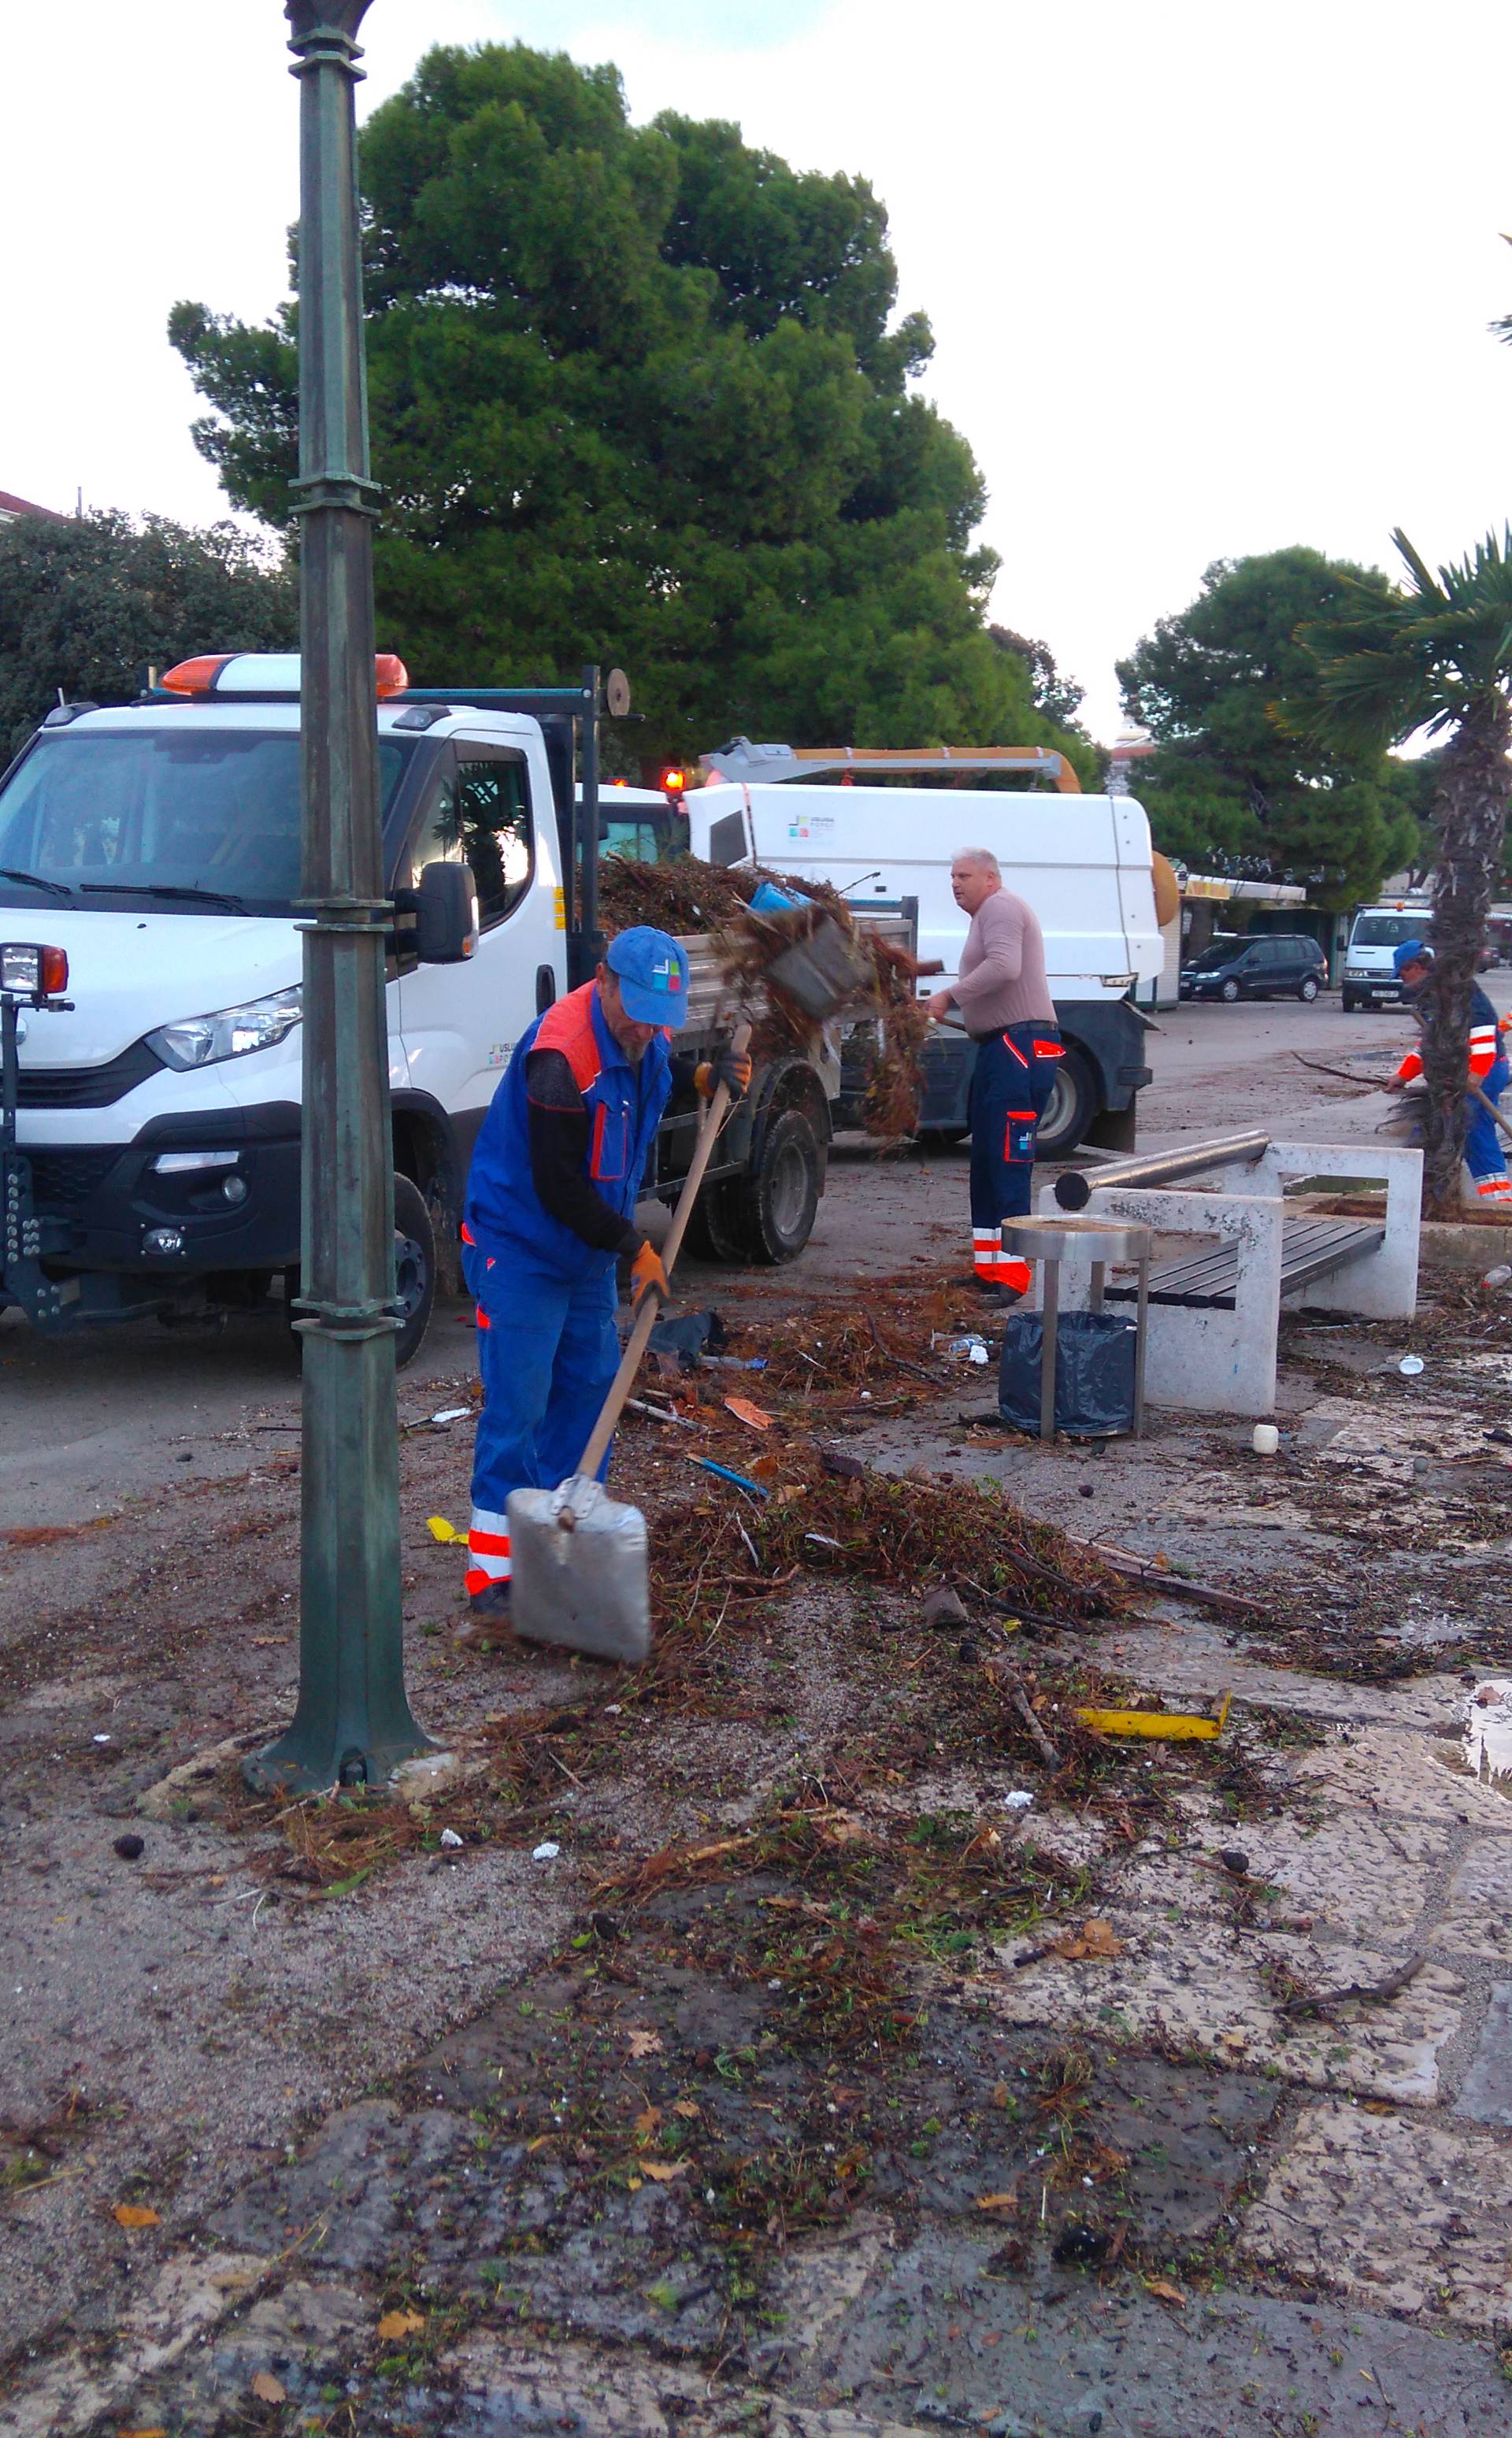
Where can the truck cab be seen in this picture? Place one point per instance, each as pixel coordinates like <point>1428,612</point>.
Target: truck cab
<point>1376,933</point>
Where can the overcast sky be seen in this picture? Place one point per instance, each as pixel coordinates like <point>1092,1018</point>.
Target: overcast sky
<point>1203,281</point>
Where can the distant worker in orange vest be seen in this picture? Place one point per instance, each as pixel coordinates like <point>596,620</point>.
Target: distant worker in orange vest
<point>1004,999</point>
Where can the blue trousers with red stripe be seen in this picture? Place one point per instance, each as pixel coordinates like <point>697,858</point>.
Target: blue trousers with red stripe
<point>1484,1154</point>
<point>547,1350</point>
<point>1011,1084</point>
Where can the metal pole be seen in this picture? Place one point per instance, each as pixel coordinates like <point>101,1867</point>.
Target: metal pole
<point>352,1723</point>
<point>1050,1327</point>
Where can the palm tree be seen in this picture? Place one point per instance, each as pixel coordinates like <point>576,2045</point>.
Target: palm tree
<point>1436,654</point>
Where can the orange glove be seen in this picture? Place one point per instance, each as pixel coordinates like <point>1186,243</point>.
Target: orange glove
<point>728,1069</point>
<point>646,1273</point>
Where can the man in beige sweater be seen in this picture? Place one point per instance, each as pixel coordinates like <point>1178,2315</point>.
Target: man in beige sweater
<point>1003,999</point>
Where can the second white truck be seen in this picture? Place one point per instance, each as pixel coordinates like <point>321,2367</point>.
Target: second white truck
<point>1084,863</point>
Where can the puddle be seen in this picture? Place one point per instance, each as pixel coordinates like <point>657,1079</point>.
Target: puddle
<point>1486,1747</point>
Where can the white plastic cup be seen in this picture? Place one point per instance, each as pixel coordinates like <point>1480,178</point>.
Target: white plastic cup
<point>1267,1439</point>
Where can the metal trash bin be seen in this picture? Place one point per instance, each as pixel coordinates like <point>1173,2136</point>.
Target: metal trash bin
<point>1100,1357</point>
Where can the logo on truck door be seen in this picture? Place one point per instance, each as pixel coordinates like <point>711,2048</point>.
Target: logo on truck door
<point>811,825</point>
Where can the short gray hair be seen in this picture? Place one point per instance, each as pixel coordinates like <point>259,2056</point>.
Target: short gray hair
<point>982,856</point>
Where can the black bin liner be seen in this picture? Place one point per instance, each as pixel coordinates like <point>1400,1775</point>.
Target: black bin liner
<point>1094,1373</point>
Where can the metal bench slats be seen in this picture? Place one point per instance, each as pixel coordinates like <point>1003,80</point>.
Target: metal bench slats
<point>1311,1249</point>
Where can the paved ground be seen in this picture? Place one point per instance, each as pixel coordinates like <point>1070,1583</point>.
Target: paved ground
<point>807,2086</point>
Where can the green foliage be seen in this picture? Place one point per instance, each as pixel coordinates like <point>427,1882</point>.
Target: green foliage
<point>1225,688</point>
<point>88,603</point>
<point>635,398</point>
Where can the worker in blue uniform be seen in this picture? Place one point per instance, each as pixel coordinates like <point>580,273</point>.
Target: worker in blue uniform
<point>1487,1069</point>
<point>550,1211</point>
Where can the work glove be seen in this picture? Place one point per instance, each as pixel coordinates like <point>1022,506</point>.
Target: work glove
<point>647,1272</point>
<point>733,1071</point>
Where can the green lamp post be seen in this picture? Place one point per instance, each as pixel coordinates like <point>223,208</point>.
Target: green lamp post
<point>353,1722</point>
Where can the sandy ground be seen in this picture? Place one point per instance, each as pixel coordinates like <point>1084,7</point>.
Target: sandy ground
<point>840,2120</point>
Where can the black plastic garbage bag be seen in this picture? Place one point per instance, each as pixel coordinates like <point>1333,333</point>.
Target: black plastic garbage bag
<point>1094,1373</point>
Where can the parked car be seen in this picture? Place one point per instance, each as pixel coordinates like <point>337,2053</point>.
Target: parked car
<point>1278,965</point>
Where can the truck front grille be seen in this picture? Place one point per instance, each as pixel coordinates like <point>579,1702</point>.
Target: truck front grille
<point>64,1181</point>
<point>88,1087</point>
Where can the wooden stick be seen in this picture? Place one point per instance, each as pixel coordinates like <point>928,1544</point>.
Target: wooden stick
<point>1376,1993</point>
<point>1125,1562</point>
<point>646,1319</point>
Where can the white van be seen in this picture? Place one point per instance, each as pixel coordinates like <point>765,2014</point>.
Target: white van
<point>1082,862</point>
<point>1373,934</point>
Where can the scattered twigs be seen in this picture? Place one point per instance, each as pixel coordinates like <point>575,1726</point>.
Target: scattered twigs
<point>1025,1710</point>
<point>1374,1993</point>
<point>1125,1562</point>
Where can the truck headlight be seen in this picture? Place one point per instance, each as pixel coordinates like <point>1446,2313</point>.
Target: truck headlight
<point>229,1033</point>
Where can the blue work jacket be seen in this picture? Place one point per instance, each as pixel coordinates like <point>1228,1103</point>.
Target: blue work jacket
<point>625,1105</point>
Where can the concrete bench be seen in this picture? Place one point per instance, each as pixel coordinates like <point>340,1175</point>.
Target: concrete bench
<point>1215,1313</point>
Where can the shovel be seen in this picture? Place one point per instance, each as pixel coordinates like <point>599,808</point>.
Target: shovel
<point>581,1571</point>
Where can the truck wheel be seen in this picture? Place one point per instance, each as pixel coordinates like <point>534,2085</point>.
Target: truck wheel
<point>777,1206</point>
<point>1071,1109</point>
<point>1350,1002</point>
<point>414,1267</point>
<point>714,1232</point>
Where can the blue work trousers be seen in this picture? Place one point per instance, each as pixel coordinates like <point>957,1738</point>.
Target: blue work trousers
<point>548,1350</point>
<point>1484,1156</point>
<point>1010,1088</point>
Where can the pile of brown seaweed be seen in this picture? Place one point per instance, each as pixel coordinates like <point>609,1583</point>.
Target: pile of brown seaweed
<point>688,895</point>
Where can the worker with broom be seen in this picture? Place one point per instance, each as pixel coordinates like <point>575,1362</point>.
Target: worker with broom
<point>1489,1071</point>
<point>1003,995</point>
<point>550,1211</point>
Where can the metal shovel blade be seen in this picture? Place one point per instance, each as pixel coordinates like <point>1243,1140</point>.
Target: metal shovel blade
<point>588,1587</point>
<point>820,972</point>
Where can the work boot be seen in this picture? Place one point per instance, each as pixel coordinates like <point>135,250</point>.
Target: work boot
<point>487,1618</point>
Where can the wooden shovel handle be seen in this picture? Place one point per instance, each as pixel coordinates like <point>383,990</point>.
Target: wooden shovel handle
<point>646,1319</point>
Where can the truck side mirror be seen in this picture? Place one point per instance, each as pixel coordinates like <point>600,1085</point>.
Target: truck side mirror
<point>445,914</point>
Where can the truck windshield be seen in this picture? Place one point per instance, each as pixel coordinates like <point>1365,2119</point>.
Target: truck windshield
<point>191,820</point>
<point>1387,930</point>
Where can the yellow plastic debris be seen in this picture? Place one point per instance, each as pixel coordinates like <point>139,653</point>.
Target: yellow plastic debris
<point>1171,1726</point>
<point>440,1529</point>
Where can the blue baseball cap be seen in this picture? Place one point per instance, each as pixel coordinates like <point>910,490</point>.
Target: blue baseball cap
<point>1410,952</point>
<point>653,975</point>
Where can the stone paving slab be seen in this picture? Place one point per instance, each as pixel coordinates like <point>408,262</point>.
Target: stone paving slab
<point>945,2336</point>
<point>1359,1876</point>
<point>1485,2094</point>
<point>1401,2213</point>
<point>1405,1776</point>
<point>1477,1916</point>
<point>1191,1655</point>
<point>1199,1985</point>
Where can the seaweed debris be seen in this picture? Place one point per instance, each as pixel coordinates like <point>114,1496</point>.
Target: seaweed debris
<point>686,895</point>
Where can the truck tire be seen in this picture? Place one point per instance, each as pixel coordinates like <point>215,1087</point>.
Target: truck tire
<point>414,1267</point>
<point>1071,1109</point>
<point>778,1203</point>
<point>1350,1003</point>
<point>714,1230</point>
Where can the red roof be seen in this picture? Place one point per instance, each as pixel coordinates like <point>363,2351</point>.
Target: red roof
<point>12,506</point>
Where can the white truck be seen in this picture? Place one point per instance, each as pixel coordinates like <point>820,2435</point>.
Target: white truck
<point>154,1166</point>
<point>1377,931</point>
<point>1083,863</point>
